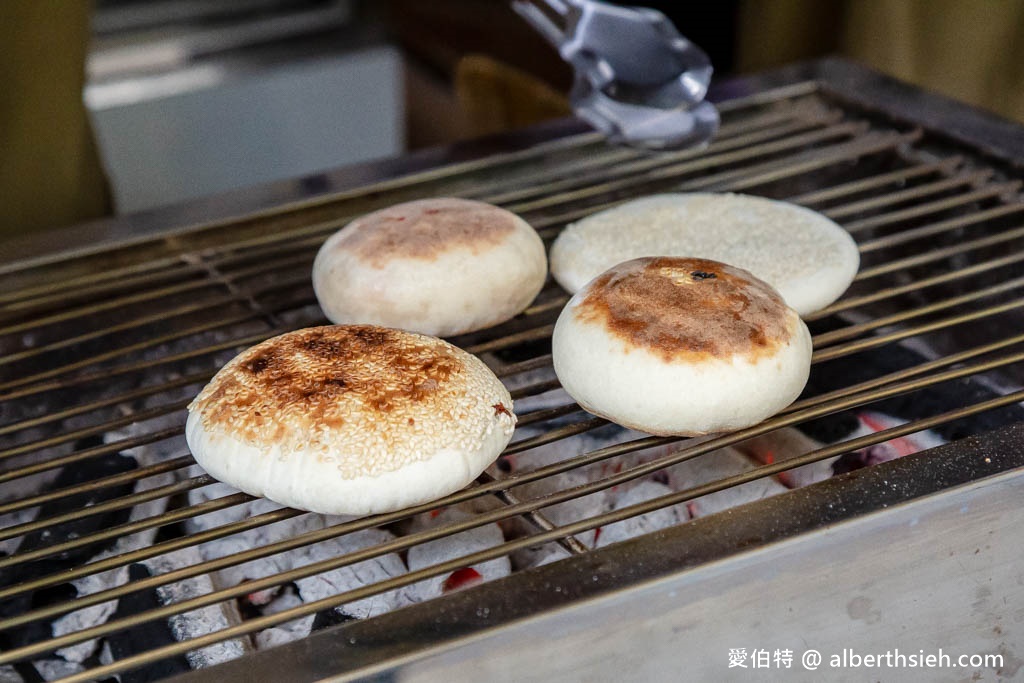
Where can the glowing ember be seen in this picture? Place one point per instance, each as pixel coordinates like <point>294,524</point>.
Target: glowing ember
<point>461,578</point>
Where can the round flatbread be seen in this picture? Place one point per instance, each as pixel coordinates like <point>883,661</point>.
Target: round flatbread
<point>350,420</point>
<point>809,259</point>
<point>436,266</point>
<point>676,346</point>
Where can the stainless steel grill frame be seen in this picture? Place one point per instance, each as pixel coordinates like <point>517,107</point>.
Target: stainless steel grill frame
<point>922,183</point>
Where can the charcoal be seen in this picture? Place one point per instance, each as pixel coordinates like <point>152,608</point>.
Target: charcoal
<point>350,577</point>
<point>649,522</point>
<point>452,547</point>
<point>203,620</point>
<point>785,444</point>
<point>80,473</point>
<point>330,617</point>
<point>23,670</point>
<point>848,462</point>
<point>144,637</point>
<point>845,371</point>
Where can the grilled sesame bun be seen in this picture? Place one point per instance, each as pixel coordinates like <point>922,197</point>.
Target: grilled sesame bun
<point>805,256</point>
<point>350,420</point>
<point>436,266</point>
<point>680,346</point>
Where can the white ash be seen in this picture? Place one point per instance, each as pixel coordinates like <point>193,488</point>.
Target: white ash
<point>285,600</point>
<point>453,547</point>
<point>56,669</point>
<point>246,540</point>
<point>10,546</point>
<point>428,520</point>
<point>285,633</point>
<point>106,654</point>
<point>48,670</point>
<point>289,630</point>
<point>202,621</point>
<point>662,518</point>
<point>158,451</point>
<point>632,527</point>
<point>87,617</point>
<point>715,466</point>
<point>228,515</point>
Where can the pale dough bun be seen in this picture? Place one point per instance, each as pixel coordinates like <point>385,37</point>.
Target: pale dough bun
<point>350,420</point>
<point>436,266</point>
<point>680,346</point>
<point>805,256</point>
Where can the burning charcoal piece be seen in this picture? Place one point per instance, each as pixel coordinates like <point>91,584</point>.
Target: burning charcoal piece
<point>579,508</point>
<point>287,599</point>
<point>19,672</point>
<point>642,524</point>
<point>786,444</point>
<point>255,569</point>
<point>460,579</point>
<point>543,555</point>
<point>80,473</point>
<point>330,617</point>
<point>202,621</point>
<point>147,636</point>
<point>715,466</point>
<point>870,422</point>
<point>351,577</point>
<point>452,547</point>
<point>845,371</point>
<point>334,582</point>
<point>87,585</point>
<point>53,670</point>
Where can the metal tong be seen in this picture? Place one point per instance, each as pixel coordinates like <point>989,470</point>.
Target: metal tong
<point>638,80</point>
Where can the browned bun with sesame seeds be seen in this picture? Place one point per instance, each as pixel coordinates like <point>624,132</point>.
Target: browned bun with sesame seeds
<point>440,266</point>
<point>350,419</point>
<point>680,346</point>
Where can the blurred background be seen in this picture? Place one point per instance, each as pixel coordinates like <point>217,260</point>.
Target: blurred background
<point>117,106</point>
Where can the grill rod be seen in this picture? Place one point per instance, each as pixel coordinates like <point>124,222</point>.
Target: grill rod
<point>900,375</point>
<point>925,283</point>
<point>302,280</point>
<point>541,333</point>
<point>120,503</point>
<point>277,264</point>
<point>811,410</point>
<point>259,623</point>
<point>943,167</point>
<point>938,228</point>
<point>56,291</point>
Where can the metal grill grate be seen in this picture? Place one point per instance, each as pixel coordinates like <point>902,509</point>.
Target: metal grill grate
<point>103,351</point>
